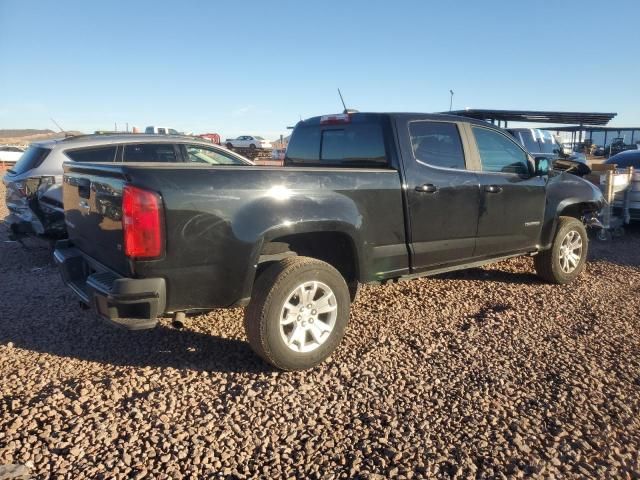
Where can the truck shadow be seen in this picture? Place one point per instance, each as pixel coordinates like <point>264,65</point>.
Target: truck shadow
<point>491,275</point>
<point>83,336</point>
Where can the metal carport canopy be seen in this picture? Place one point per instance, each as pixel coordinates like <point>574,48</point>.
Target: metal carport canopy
<point>536,116</point>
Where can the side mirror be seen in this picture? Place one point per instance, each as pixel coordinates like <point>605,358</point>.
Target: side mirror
<point>542,166</point>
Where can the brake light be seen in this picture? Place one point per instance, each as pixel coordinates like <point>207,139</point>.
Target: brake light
<point>335,119</point>
<point>142,223</point>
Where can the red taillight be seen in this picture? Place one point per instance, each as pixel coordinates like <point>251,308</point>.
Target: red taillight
<point>142,223</point>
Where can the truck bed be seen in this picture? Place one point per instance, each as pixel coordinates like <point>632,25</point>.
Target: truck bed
<point>216,219</point>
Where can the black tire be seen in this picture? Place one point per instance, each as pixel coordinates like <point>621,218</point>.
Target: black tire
<point>252,146</point>
<point>354,289</point>
<point>229,146</point>
<point>547,263</point>
<point>270,292</point>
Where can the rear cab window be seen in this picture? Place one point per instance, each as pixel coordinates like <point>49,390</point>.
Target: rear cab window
<point>93,154</point>
<point>354,143</point>
<point>30,159</point>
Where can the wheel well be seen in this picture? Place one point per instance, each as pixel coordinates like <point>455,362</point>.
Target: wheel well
<point>335,248</point>
<point>577,210</point>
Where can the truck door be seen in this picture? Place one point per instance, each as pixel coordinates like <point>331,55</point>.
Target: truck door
<point>512,200</point>
<point>442,193</point>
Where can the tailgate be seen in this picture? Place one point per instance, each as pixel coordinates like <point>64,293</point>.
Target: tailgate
<point>92,197</point>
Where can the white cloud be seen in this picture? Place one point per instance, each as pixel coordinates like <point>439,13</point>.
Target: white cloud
<point>242,111</point>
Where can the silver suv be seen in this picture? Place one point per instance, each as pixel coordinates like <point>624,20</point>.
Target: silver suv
<point>33,184</point>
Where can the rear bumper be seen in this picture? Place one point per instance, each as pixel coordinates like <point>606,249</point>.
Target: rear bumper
<point>131,303</point>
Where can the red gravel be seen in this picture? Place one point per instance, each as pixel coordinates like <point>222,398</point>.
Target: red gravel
<point>486,372</point>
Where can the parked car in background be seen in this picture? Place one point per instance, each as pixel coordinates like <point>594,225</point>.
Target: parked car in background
<point>618,145</point>
<point>10,154</point>
<point>248,141</point>
<point>161,130</point>
<point>33,184</point>
<point>387,197</point>
<point>630,158</point>
<point>542,143</point>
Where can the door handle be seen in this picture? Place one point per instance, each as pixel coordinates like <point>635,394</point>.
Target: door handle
<point>427,188</point>
<point>493,188</point>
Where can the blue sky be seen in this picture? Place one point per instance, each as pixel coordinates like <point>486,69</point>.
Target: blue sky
<point>256,67</point>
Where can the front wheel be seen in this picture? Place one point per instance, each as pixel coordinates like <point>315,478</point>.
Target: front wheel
<point>298,313</point>
<point>229,146</point>
<point>252,146</point>
<point>566,258</point>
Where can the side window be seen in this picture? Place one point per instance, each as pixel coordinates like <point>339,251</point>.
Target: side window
<point>173,132</point>
<point>500,154</point>
<point>148,130</point>
<point>97,154</point>
<point>210,156</point>
<point>304,146</point>
<point>162,131</point>
<point>150,152</point>
<point>437,144</point>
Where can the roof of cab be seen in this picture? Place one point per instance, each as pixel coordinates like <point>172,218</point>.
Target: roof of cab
<point>363,116</point>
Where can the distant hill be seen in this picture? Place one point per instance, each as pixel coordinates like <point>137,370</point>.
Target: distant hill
<point>22,132</point>
<point>24,136</point>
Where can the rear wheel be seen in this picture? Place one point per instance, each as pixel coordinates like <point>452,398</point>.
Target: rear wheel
<point>566,258</point>
<point>298,313</point>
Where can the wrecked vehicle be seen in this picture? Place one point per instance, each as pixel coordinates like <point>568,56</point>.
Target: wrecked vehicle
<point>362,198</point>
<point>33,184</point>
<point>27,183</point>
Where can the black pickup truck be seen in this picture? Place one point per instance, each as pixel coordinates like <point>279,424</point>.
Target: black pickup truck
<point>362,198</point>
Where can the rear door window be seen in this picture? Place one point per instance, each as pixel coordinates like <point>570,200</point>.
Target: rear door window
<point>437,144</point>
<point>32,158</point>
<point>94,154</point>
<point>150,152</point>
<point>352,145</point>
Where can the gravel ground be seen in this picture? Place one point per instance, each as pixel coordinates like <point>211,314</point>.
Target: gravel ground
<point>486,373</point>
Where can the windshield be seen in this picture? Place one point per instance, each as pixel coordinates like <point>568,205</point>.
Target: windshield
<point>527,139</point>
<point>547,142</point>
<point>537,141</point>
<point>32,158</point>
<point>258,138</point>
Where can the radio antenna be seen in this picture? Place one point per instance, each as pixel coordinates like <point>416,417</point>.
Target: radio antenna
<point>61,129</point>
<point>342,100</point>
